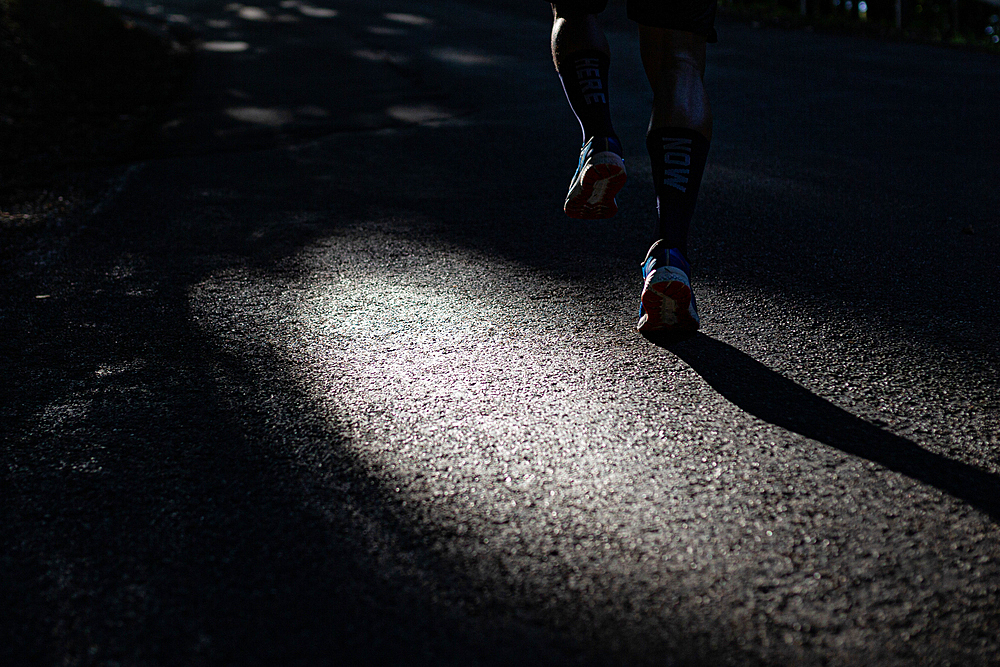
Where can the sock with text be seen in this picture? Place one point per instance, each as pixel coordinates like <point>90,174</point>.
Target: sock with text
<point>677,157</point>
<point>584,76</point>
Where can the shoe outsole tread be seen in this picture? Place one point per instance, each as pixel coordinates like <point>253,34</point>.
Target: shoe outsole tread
<point>594,197</point>
<point>666,307</point>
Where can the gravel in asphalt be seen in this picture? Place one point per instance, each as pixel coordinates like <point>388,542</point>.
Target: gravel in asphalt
<point>359,392</point>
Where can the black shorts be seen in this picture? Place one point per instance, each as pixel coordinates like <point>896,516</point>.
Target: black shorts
<point>695,16</point>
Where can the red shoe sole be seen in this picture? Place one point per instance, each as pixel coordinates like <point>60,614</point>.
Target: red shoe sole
<point>596,199</point>
<point>667,307</point>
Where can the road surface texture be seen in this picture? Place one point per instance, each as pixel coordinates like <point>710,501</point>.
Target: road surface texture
<point>328,378</point>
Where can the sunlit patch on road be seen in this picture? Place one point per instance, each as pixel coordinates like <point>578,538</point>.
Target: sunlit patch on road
<point>452,386</point>
<point>317,12</point>
<point>220,46</point>
<point>261,116</point>
<point>480,394</point>
<point>409,19</point>
<point>252,14</point>
<point>310,10</point>
<point>422,114</point>
<point>488,409</point>
<point>459,57</point>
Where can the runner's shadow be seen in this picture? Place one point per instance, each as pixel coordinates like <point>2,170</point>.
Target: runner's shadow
<point>770,396</point>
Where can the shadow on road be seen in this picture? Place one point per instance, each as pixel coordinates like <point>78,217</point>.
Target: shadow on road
<point>163,505</point>
<point>768,395</point>
<point>157,509</point>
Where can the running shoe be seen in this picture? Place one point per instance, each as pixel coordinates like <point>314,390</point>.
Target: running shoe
<point>667,302</point>
<point>599,176</point>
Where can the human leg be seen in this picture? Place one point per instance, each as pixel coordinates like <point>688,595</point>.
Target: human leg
<point>680,126</point>
<point>581,56</point>
<point>680,130</point>
<point>575,28</point>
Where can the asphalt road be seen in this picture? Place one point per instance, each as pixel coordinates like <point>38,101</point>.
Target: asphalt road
<point>328,378</point>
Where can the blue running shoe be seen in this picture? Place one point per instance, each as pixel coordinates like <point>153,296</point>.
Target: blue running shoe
<point>667,302</point>
<point>600,174</point>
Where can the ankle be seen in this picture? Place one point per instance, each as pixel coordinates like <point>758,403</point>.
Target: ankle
<point>601,144</point>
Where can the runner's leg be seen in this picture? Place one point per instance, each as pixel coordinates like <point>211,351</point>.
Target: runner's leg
<point>675,66</point>
<point>680,127</point>
<point>581,56</point>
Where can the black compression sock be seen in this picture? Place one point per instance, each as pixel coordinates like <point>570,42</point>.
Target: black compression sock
<point>677,157</point>
<point>584,76</point>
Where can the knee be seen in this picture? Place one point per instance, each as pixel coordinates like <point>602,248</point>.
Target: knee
<point>681,61</point>
<point>672,50</point>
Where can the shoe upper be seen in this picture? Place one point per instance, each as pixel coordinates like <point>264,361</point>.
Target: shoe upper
<point>599,175</point>
<point>666,291</point>
<point>596,145</point>
<point>660,256</point>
